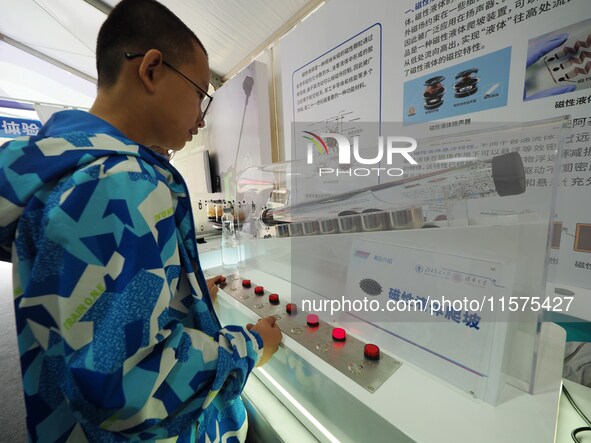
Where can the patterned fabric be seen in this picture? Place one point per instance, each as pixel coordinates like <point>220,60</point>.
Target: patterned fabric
<point>117,333</point>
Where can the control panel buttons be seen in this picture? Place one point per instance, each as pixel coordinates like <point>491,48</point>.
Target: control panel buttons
<point>339,334</point>
<point>291,308</point>
<point>329,343</point>
<point>312,320</point>
<point>371,352</point>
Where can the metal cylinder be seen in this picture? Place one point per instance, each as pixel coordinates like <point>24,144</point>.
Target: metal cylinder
<point>295,230</point>
<point>406,218</point>
<point>374,221</point>
<point>330,226</point>
<point>311,227</point>
<point>350,223</point>
<point>282,230</point>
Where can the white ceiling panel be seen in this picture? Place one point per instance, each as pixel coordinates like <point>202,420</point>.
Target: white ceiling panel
<point>28,78</point>
<point>231,30</point>
<point>66,30</point>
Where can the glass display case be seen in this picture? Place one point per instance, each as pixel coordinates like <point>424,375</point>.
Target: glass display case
<point>444,269</point>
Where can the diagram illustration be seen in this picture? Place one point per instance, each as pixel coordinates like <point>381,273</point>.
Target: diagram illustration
<point>473,86</point>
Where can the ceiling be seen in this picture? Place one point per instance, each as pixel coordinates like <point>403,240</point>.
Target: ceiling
<point>64,31</point>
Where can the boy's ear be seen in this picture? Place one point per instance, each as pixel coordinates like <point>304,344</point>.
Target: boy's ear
<point>150,69</point>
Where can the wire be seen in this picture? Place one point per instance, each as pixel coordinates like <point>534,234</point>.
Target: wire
<point>578,410</point>
<point>578,431</point>
<point>574,405</point>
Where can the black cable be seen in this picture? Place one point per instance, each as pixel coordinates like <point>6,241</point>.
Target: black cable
<point>578,431</point>
<point>574,405</point>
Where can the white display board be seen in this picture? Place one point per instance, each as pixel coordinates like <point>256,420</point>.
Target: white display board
<point>525,60</point>
<point>440,307</point>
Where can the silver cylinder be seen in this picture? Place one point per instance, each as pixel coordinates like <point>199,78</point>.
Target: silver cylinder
<point>311,227</point>
<point>330,226</point>
<point>295,230</point>
<point>349,223</point>
<point>406,218</point>
<point>282,230</point>
<point>374,221</point>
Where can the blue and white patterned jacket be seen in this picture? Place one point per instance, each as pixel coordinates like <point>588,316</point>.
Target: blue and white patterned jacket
<point>117,334</point>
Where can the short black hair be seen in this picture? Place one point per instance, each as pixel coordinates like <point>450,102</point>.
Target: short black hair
<point>138,26</point>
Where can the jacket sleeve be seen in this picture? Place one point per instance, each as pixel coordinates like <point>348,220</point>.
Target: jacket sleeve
<point>119,295</point>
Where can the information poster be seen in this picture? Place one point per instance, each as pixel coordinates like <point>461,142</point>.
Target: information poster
<point>405,288</point>
<point>448,65</point>
<point>467,87</point>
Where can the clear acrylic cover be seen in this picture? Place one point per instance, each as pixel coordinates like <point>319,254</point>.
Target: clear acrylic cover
<point>457,245</point>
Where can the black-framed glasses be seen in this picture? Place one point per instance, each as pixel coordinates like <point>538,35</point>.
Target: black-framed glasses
<point>206,99</point>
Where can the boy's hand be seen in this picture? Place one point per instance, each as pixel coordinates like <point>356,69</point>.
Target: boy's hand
<point>271,335</point>
<point>213,284</point>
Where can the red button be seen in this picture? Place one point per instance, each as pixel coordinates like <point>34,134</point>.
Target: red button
<point>371,352</point>
<point>339,334</point>
<point>246,283</point>
<point>291,308</point>
<point>221,281</point>
<point>312,320</point>
<point>274,299</point>
<point>259,290</point>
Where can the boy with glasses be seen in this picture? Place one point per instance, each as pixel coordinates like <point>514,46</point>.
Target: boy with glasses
<point>117,333</point>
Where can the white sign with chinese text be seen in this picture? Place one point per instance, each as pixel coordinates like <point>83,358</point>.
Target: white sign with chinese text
<point>443,309</point>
